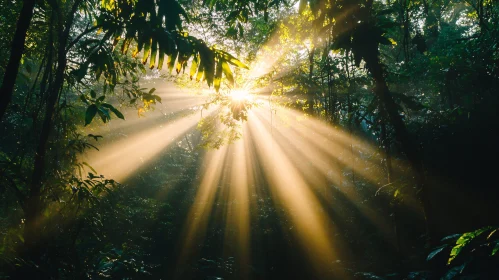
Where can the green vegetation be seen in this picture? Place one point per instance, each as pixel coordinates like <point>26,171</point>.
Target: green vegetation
<point>249,139</point>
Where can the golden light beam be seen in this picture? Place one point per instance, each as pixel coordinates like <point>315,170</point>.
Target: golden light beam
<point>173,102</point>
<point>197,220</point>
<point>358,155</point>
<point>320,149</point>
<point>342,138</point>
<point>120,159</point>
<point>238,204</point>
<point>313,229</point>
<point>319,158</point>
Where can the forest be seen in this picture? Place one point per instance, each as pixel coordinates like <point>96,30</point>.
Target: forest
<point>249,139</point>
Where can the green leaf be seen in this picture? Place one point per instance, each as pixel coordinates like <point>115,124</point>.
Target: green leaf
<point>200,74</point>
<point>96,137</point>
<point>451,238</point>
<point>218,76</point>
<point>435,252</point>
<point>93,94</point>
<point>142,68</point>
<point>88,165</point>
<point>179,67</point>
<point>464,240</point>
<point>227,72</point>
<point>234,61</point>
<point>397,193</point>
<point>496,248</point>
<point>104,114</point>
<point>454,272</point>
<point>114,110</point>
<point>147,49</point>
<point>171,60</point>
<point>492,233</point>
<point>90,114</point>
<point>154,52</point>
<point>161,59</point>
<point>126,44</point>
<point>117,113</point>
<point>207,62</point>
<point>194,67</point>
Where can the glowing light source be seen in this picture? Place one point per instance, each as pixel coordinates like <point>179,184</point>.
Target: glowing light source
<point>240,95</point>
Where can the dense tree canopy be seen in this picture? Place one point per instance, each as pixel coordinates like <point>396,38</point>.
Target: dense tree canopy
<point>310,139</point>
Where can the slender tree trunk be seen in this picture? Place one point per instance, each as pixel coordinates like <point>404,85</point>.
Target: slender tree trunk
<point>407,38</point>
<point>34,206</point>
<point>402,135</point>
<point>16,53</point>
<point>385,142</point>
<point>311,91</point>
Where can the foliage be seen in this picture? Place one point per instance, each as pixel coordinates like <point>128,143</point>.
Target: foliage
<point>334,60</point>
<point>224,126</point>
<point>471,255</point>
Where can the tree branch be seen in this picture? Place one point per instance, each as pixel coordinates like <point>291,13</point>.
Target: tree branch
<point>85,32</point>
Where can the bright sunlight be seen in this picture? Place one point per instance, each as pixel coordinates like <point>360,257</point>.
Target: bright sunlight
<point>249,140</point>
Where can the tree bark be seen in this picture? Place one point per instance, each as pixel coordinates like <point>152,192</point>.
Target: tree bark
<point>402,135</point>
<point>16,52</point>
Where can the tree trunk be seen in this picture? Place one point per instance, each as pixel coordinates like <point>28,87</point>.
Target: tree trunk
<point>385,143</point>
<point>32,233</point>
<point>402,135</point>
<point>16,52</point>
<point>311,91</point>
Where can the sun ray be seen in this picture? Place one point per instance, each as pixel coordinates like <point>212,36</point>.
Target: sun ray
<point>238,204</point>
<point>319,166</point>
<point>313,228</point>
<point>197,220</point>
<point>118,160</point>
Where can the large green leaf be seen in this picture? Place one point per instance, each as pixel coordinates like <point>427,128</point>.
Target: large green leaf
<point>154,53</point>
<point>464,241</point>
<point>218,76</point>
<point>232,60</point>
<point>90,114</point>
<point>171,60</point>
<point>147,49</point>
<point>227,72</point>
<point>194,66</point>
<point>156,27</point>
